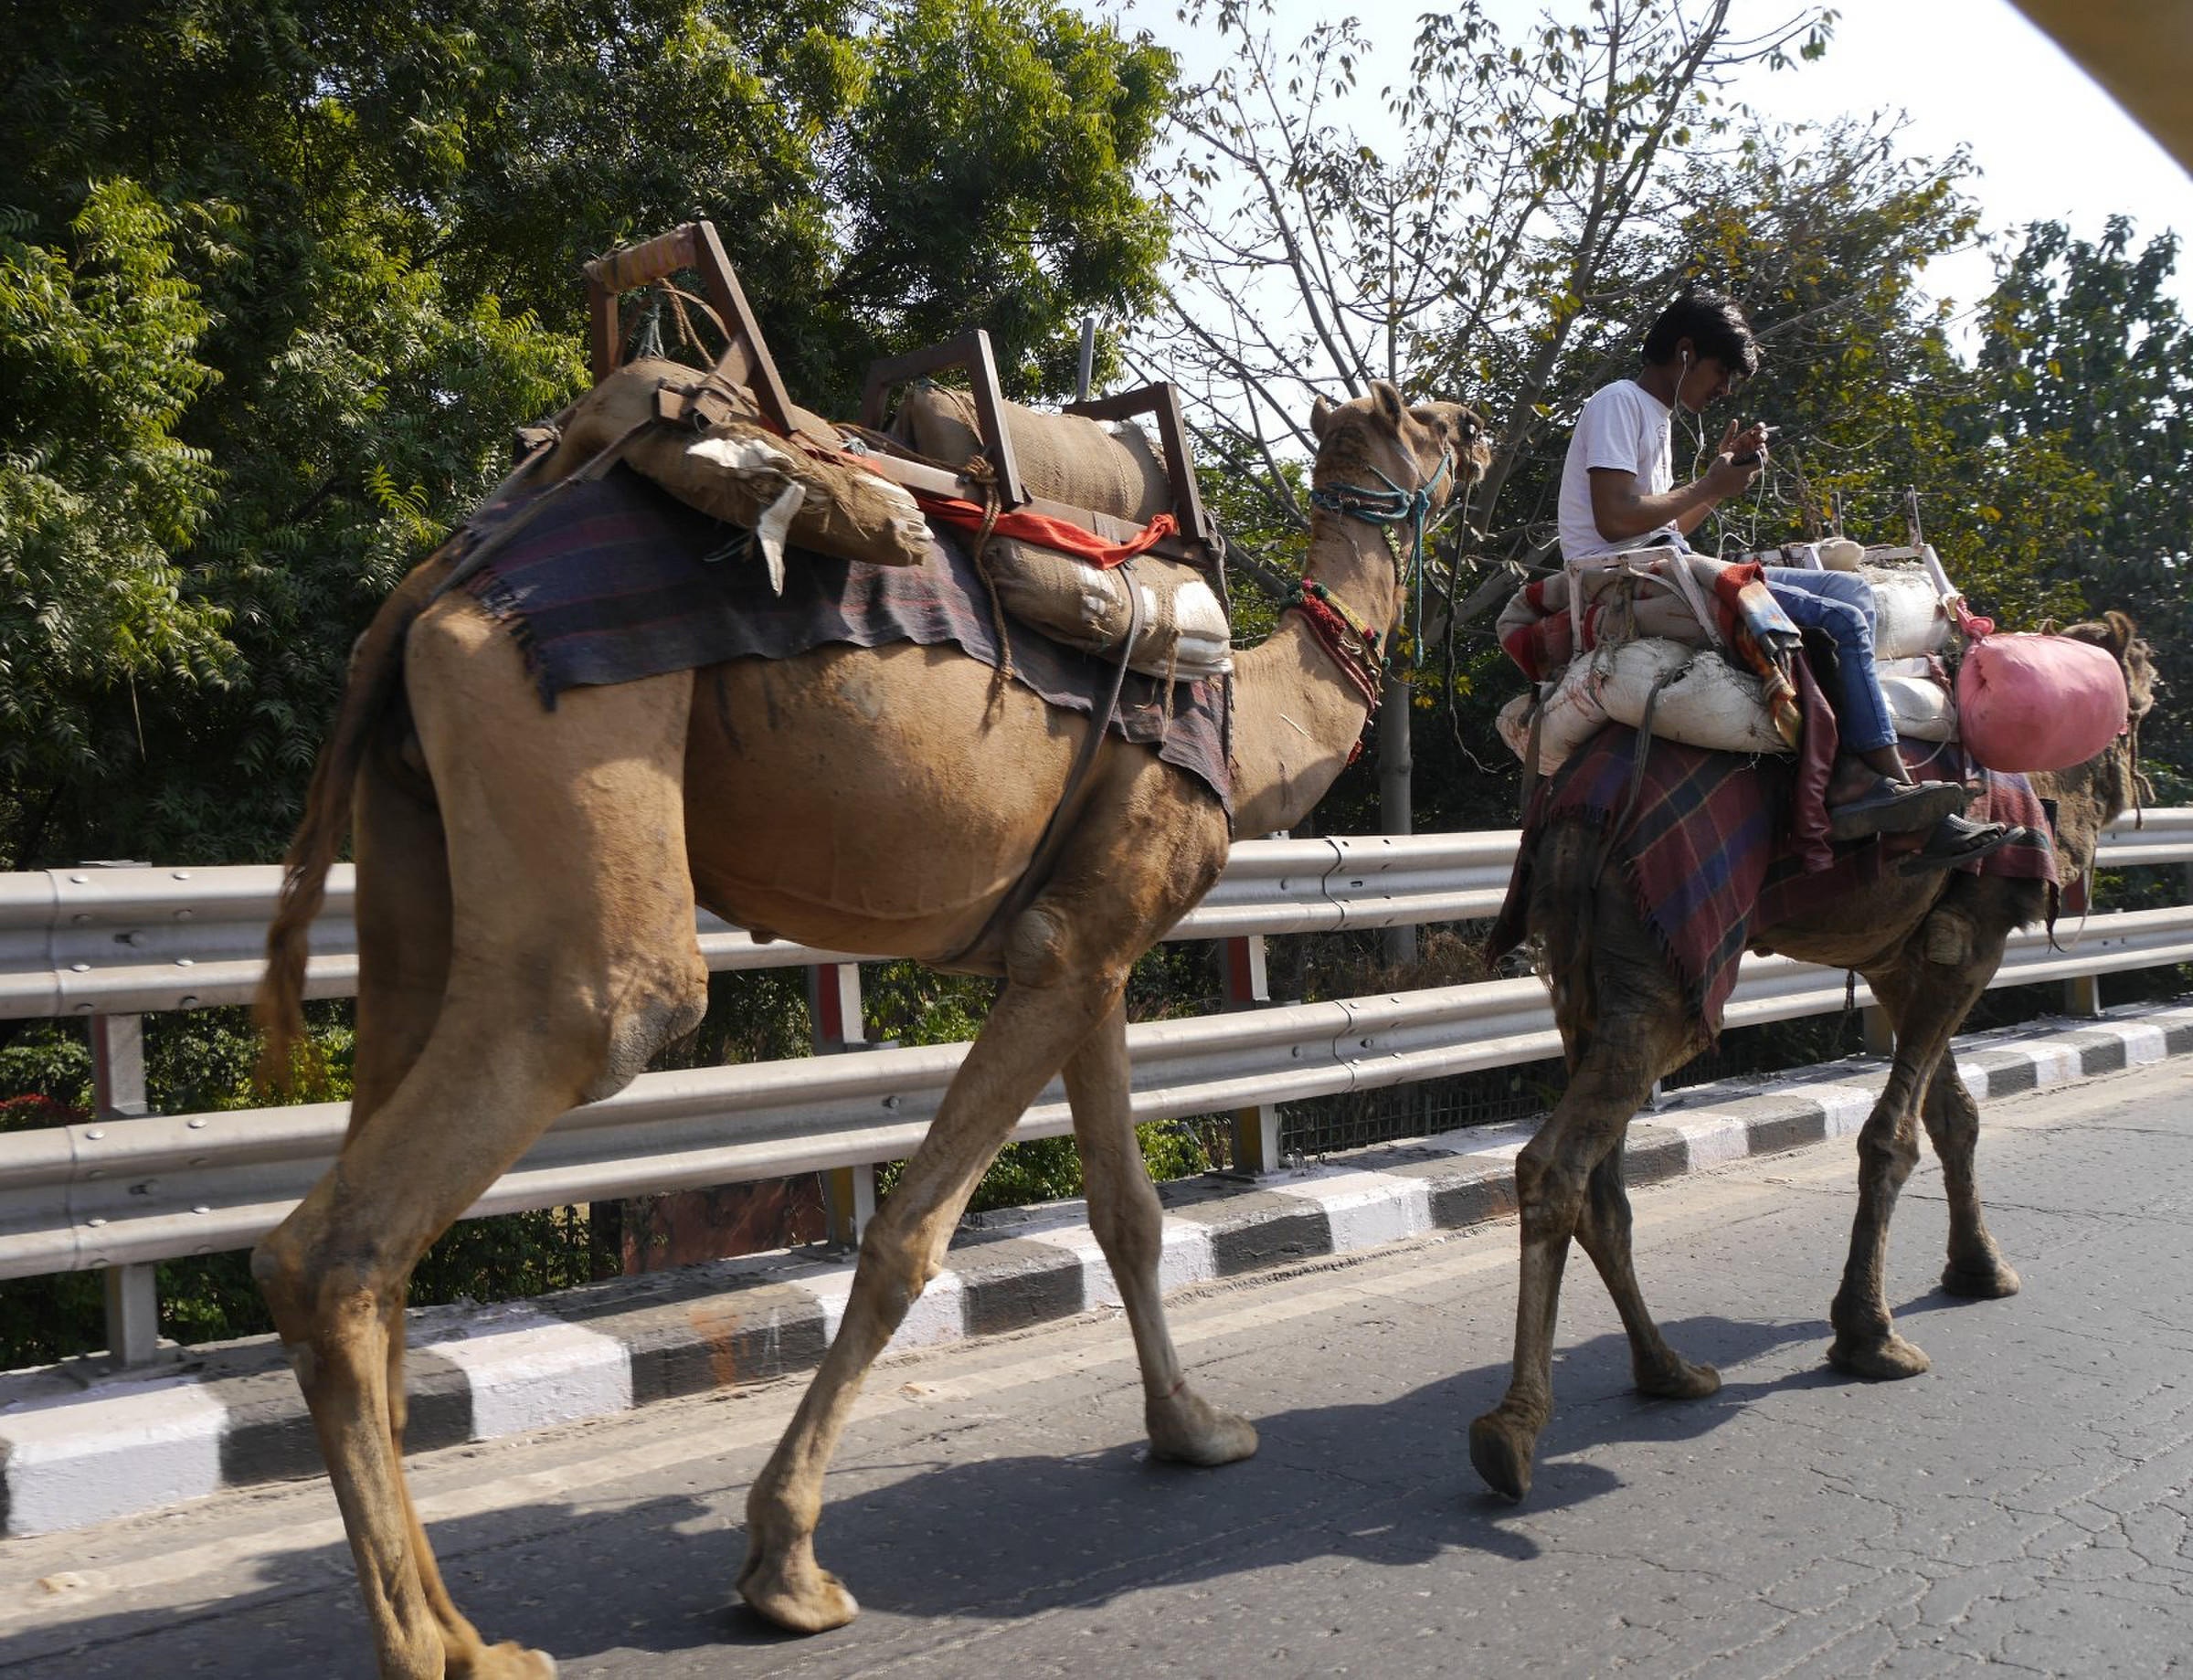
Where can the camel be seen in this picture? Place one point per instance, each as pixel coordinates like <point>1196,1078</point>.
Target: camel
<point>1928,945</point>
<point>526,883</point>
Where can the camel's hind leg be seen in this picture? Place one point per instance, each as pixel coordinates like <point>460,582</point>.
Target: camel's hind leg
<point>1938,975</point>
<point>1623,1023</point>
<point>1129,1222</point>
<point>402,914</point>
<point>1034,1027</point>
<point>1603,1228</point>
<point>403,917</point>
<point>1564,1189</point>
<point>572,958</point>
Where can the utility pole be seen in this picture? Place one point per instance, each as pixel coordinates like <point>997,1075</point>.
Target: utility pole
<point>1396,813</point>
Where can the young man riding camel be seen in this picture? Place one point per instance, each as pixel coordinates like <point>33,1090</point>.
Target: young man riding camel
<point>1618,493</point>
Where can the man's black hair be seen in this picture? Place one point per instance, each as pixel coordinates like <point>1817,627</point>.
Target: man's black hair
<point>1713,324</point>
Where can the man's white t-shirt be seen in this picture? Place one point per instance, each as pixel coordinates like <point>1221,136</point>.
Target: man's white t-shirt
<point>1626,428</point>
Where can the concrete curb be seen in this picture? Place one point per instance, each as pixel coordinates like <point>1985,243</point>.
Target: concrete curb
<point>81,1443</point>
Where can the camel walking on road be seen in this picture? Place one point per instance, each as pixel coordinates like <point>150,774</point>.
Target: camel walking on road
<point>526,883</point>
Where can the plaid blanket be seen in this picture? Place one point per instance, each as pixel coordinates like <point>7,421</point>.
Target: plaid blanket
<point>1705,846</point>
<point>616,580</point>
<point>2004,797</point>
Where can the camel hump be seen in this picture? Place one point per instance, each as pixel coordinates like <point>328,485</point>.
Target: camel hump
<point>1065,458</point>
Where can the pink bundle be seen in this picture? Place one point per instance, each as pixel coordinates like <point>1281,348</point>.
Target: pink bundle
<point>2036,702</point>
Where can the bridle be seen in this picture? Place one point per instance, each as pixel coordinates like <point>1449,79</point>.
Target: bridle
<point>1353,644</point>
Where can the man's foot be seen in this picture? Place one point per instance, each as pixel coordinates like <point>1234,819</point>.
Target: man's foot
<point>1895,807</point>
<point>1956,841</point>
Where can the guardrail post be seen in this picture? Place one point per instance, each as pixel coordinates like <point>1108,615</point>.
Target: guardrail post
<point>2082,992</point>
<point>833,1011</point>
<point>1880,1037</point>
<point>133,1296</point>
<point>1249,987</point>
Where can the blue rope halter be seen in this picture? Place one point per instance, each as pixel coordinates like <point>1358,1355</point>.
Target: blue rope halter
<point>1388,508</point>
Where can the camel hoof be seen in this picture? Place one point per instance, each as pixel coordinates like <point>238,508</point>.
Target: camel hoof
<point>799,1595</point>
<point>1501,1453</point>
<point>1980,1283</point>
<point>1187,1429</point>
<point>1887,1360</point>
<point>507,1661</point>
<point>1679,1379</point>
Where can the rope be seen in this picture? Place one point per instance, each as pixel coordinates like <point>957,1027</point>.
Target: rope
<point>678,299</point>
<point>979,471</point>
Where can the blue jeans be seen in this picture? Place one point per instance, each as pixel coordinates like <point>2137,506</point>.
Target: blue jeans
<point>1839,605</point>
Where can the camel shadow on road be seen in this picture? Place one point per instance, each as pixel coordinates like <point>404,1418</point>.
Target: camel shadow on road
<point>983,1528</point>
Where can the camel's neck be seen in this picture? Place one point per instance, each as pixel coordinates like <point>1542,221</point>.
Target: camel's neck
<point>2088,797</point>
<point>1295,714</point>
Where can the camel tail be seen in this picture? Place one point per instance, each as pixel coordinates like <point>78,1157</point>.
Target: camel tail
<point>377,673</point>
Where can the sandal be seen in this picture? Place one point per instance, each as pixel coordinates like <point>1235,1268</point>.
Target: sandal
<point>1895,807</point>
<point>1955,842</point>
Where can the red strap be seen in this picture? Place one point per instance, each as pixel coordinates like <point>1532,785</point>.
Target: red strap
<point>1041,528</point>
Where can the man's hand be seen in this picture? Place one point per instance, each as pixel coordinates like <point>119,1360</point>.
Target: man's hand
<point>1737,462</point>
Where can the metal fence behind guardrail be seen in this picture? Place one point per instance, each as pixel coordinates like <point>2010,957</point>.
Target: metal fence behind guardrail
<point>127,1189</point>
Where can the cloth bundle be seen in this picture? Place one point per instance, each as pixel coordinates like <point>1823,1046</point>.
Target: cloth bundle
<point>1065,458</point>
<point>1605,639</point>
<point>740,471</point>
<point>1070,459</point>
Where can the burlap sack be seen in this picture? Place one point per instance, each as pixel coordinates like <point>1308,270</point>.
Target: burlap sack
<point>1909,618</point>
<point>1184,633</point>
<point>1066,457</point>
<point>741,472</point>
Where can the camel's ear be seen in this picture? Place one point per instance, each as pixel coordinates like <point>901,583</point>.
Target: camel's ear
<point>2122,631</point>
<point>1385,400</point>
<point>1321,416</point>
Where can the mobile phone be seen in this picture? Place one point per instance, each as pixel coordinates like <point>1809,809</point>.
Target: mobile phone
<point>1749,457</point>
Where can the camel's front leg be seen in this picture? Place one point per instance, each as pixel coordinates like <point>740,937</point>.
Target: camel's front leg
<point>1866,1343</point>
<point>1129,1225</point>
<point>1977,1267</point>
<point>1927,993</point>
<point>1028,1036</point>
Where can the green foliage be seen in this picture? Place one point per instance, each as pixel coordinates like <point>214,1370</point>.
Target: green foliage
<point>2088,367</point>
<point>1003,198</point>
<point>277,281</point>
<point>98,350</point>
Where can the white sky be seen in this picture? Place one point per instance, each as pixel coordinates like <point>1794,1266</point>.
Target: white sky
<point>2049,144</point>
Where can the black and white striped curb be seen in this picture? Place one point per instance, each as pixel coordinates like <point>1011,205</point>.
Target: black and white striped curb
<point>81,1443</point>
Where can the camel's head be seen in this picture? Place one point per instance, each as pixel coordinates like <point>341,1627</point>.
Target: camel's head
<point>2124,784</point>
<point>1406,446</point>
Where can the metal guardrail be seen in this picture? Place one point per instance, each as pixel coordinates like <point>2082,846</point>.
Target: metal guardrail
<point>122,1190</point>
<point>134,940</point>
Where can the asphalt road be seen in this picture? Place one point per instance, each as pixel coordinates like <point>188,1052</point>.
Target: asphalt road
<point>2025,1505</point>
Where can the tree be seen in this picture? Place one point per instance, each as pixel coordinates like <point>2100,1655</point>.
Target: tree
<point>99,346</point>
<point>1466,258</point>
<point>291,273</point>
<point>2086,357</point>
